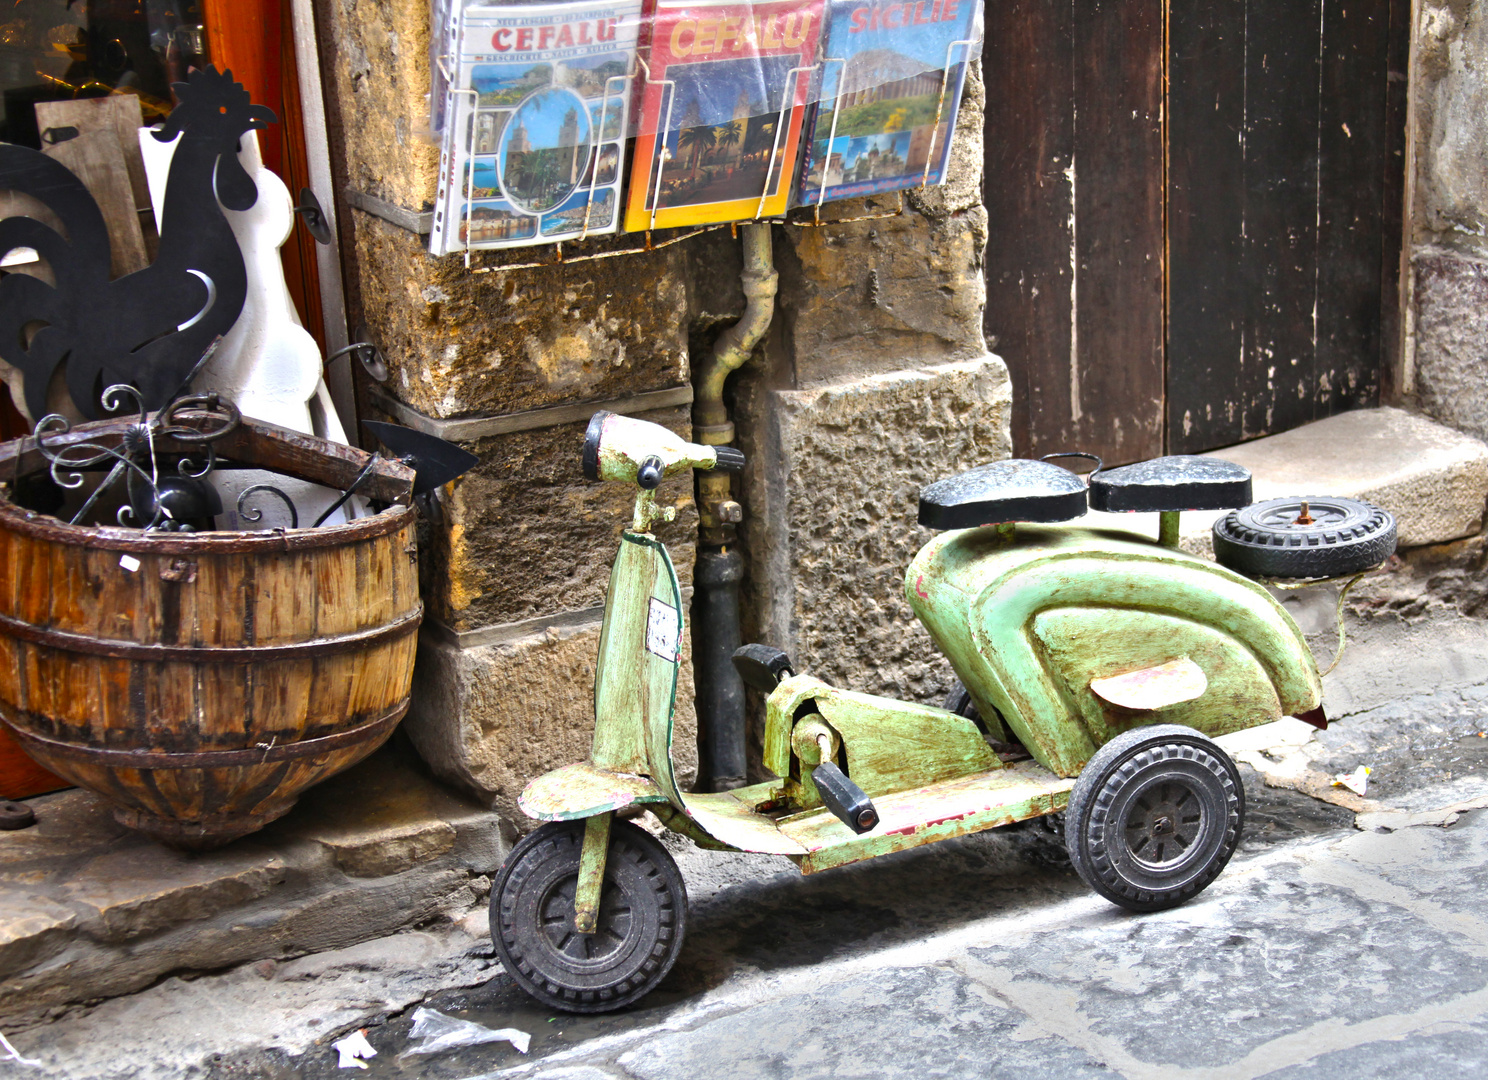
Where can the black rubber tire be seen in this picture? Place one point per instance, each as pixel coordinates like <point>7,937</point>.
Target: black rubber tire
<point>1144,791</point>
<point>642,918</point>
<point>16,815</point>
<point>1263,539</point>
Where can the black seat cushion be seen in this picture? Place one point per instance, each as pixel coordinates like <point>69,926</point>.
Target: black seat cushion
<point>1013,490</point>
<point>1182,482</point>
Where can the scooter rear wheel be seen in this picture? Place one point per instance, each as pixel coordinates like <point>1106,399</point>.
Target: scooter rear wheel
<point>1154,817</point>
<point>642,918</point>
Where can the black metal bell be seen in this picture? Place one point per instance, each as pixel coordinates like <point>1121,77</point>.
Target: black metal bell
<point>182,503</point>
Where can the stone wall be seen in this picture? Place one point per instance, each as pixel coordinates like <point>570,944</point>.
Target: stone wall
<point>875,359</point>
<point>1447,353</point>
<point>875,381</point>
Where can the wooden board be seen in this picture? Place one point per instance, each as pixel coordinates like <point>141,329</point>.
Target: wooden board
<point>94,158</point>
<point>1028,66</point>
<point>1119,229</point>
<point>1178,267</point>
<point>20,777</point>
<point>121,114</point>
<point>1392,223</point>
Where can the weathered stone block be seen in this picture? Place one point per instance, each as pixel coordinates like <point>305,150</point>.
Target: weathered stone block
<point>390,849</point>
<point>144,889</point>
<point>1452,122</point>
<point>861,297</point>
<point>33,929</point>
<point>377,75</point>
<point>491,718</point>
<point>832,498</point>
<point>527,535</point>
<point>462,343</point>
<point>1432,478</point>
<point>90,910</point>
<point>1452,341</point>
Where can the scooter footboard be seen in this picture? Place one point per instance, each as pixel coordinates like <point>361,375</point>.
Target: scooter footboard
<point>581,791</point>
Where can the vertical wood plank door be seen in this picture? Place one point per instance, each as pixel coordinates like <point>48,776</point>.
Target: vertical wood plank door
<point>1190,201</point>
<point>1074,194</point>
<point>1278,183</point>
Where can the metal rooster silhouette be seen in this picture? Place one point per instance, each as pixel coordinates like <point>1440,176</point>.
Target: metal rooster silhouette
<point>148,328</point>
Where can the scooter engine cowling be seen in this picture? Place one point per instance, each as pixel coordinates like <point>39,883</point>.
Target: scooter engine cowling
<point>1029,621</point>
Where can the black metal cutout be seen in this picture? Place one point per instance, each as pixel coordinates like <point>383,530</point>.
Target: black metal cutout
<point>147,329</point>
<point>435,461</point>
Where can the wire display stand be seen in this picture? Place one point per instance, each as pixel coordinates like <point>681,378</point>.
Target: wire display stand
<point>616,92</point>
<point>649,243</point>
<point>945,78</point>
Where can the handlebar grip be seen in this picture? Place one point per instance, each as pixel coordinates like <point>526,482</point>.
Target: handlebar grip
<point>729,459</point>
<point>649,474</point>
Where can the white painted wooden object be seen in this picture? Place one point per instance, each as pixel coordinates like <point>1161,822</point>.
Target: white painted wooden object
<point>268,364</point>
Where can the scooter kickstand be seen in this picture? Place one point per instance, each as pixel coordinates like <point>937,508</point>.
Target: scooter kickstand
<point>591,871</point>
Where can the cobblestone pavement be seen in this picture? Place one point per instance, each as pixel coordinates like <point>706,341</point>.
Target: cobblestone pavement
<point>1342,941</point>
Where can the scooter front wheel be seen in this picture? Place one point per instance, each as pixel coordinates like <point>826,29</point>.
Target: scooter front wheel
<point>641,921</point>
<point>1154,817</point>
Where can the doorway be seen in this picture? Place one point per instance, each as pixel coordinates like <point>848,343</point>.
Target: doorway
<point>1195,216</point>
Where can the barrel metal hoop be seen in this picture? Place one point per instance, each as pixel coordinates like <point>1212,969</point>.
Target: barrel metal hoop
<point>201,759</point>
<point>208,654</point>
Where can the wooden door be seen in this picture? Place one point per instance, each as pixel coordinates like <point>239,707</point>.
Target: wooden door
<point>1194,216</point>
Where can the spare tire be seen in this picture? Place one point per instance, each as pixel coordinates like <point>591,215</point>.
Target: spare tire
<point>1270,539</point>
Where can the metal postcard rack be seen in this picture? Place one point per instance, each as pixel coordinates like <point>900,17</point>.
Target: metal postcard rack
<point>663,154</point>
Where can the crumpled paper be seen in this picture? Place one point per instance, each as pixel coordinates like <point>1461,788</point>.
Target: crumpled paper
<point>353,1049</point>
<point>1355,781</point>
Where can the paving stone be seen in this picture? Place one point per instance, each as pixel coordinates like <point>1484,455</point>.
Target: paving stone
<point>1458,1050</point>
<point>926,1022</point>
<point>33,929</point>
<point>145,888</point>
<point>1423,870</point>
<point>392,850</point>
<point>178,1027</point>
<point>391,825</point>
<point>1270,956</point>
<point>89,910</point>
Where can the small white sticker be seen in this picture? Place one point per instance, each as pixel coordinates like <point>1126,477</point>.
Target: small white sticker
<point>129,562</point>
<point>663,629</point>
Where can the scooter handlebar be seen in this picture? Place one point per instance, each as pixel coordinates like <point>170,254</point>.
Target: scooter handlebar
<point>624,448</point>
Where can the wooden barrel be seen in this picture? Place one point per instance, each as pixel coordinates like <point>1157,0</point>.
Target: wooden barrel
<point>200,682</point>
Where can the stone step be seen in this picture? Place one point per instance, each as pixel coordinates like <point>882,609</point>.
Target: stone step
<point>1432,478</point>
<point>89,909</point>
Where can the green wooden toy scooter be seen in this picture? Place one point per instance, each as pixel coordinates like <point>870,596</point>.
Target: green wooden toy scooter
<point>1096,667</point>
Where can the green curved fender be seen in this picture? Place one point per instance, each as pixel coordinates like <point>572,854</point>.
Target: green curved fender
<point>982,596</point>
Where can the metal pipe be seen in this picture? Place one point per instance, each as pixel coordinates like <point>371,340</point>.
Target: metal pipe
<point>720,566</point>
<point>720,692</point>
